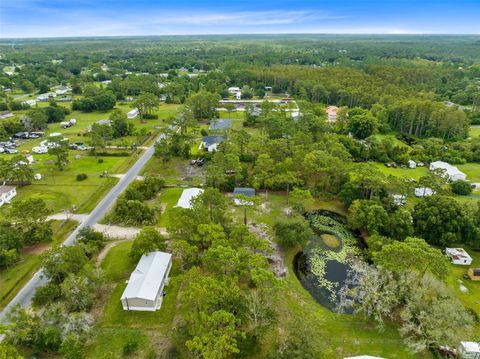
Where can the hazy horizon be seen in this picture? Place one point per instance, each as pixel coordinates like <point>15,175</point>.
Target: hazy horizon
<point>90,18</point>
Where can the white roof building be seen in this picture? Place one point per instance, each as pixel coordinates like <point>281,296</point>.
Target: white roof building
<point>412,164</point>
<point>6,194</point>
<point>144,291</point>
<point>133,113</point>
<point>458,256</point>
<point>452,172</point>
<point>185,200</point>
<point>233,90</point>
<point>424,192</point>
<point>469,350</point>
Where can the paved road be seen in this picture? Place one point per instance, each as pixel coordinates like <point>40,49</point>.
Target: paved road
<point>25,295</point>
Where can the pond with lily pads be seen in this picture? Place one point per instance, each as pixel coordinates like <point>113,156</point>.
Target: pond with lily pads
<point>324,265</point>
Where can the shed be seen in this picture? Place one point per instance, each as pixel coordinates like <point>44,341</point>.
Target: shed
<point>412,164</point>
<point>220,125</point>
<point>458,256</point>
<point>474,274</point>
<point>245,191</point>
<point>469,350</point>
<point>451,172</point>
<point>185,200</point>
<point>144,291</point>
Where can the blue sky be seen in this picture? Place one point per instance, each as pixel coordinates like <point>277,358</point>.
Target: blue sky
<point>55,18</point>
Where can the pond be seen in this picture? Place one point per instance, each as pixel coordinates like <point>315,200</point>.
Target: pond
<point>324,265</point>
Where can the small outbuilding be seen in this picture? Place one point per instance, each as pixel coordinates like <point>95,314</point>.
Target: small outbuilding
<point>474,274</point>
<point>458,256</point>
<point>412,164</point>
<point>469,350</point>
<point>399,199</point>
<point>244,191</point>
<point>144,291</point>
<point>185,200</point>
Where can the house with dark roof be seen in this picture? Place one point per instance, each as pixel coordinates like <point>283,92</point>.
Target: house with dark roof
<point>211,143</point>
<point>220,125</point>
<point>243,191</point>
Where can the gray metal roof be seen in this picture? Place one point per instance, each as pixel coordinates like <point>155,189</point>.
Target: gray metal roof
<point>220,124</point>
<point>249,192</point>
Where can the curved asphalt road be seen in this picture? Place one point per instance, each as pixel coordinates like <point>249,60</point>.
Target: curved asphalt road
<point>25,295</point>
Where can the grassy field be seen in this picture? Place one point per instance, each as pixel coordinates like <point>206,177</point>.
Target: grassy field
<point>56,186</point>
<point>399,172</point>
<point>15,277</point>
<point>115,326</point>
<point>474,131</point>
<point>471,299</point>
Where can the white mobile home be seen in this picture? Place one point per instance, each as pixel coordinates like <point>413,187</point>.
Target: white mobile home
<point>469,350</point>
<point>458,256</point>
<point>6,194</point>
<point>144,291</point>
<point>133,113</point>
<point>187,195</point>
<point>451,172</point>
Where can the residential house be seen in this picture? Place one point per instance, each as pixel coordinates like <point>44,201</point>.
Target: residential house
<point>211,143</point>
<point>220,125</point>
<point>46,96</point>
<point>185,200</point>
<point>145,288</point>
<point>133,113</point>
<point>243,191</point>
<point>332,114</point>
<point>6,194</point>
<point>451,172</point>
<point>399,199</point>
<point>29,103</point>
<point>424,192</point>
<point>62,90</point>
<point>233,90</point>
<point>469,350</point>
<point>458,256</point>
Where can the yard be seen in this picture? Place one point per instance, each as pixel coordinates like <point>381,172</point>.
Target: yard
<point>470,299</point>
<point>115,327</point>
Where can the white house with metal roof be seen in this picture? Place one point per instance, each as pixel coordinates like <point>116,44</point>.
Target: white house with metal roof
<point>185,200</point>
<point>458,256</point>
<point>145,288</point>
<point>451,172</point>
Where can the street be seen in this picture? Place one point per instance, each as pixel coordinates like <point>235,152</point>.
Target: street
<point>25,295</point>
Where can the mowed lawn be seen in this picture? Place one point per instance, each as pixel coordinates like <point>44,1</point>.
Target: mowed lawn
<point>471,299</point>
<point>115,326</point>
<point>474,131</point>
<point>399,172</point>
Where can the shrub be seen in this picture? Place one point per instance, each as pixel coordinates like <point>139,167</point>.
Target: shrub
<point>292,232</point>
<point>462,188</point>
<point>100,160</point>
<point>130,346</point>
<point>82,177</point>
<point>204,132</point>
